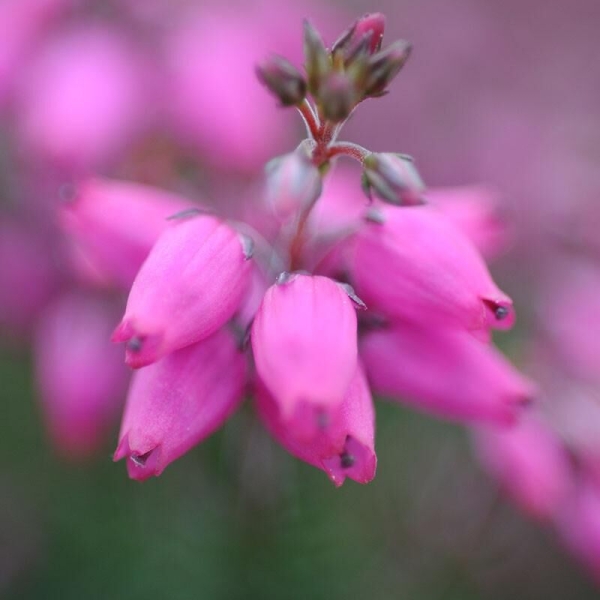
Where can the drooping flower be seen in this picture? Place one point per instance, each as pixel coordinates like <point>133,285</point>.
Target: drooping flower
<point>530,463</point>
<point>178,401</point>
<point>414,264</point>
<point>343,447</point>
<point>191,284</point>
<point>304,344</point>
<point>79,373</point>
<point>446,372</point>
<point>112,226</point>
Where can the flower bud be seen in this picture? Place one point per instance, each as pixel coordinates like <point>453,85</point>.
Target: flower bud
<point>114,224</point>
<point>364,36</point>
<point>393,177</point>
<point>317,61</point>
<point>283,80</point>
<point>191,284</point>
<point>293,184</point>
<point>417,266</point>
<point>304,343</point>
<point>178,401</point>
<point>384,66</point>
<point>79,373</point>
<point>344,447</point>
<point>337,96</point>
<point>445,372</point>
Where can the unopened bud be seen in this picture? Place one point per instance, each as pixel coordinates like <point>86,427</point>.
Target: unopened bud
<point>394,178</point>
<point>369,28</point>
<point>283,80</point>
<point>337,97</point>
<point>293,183</point>
<point>384,66</point>
<point>318,63</point>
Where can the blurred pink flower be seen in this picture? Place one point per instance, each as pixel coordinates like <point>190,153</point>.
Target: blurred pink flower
<point>83,99</point>
<point>445,372</point>
<point>112,226</point>
<point>80,374</point>
<point>530,463</point>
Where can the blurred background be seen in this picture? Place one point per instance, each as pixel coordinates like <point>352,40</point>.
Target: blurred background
<point>501,93</point>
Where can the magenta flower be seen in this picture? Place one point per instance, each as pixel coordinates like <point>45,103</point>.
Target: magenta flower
<point>344,447</point>
<point>446,372</point>
<point>530,463</point>
<point>414,264</point>
<point>430,300</point>
<point>112,226</point>
<point>178,401</point>
<point>304,343</point>
<point>79,373</point>
<point>83,100</point>
<point>191,284</point>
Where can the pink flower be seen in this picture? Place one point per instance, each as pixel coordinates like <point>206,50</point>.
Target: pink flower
<point>28,276</point>
<point>113,225</point>
<point>191,284</point>
<point>22,23</point>
<point>344,447</point>
<point>83,99</point>
<point>530,463</point>
<point>177,402</point>
<point>304,343</point>
<point>416,265</point>
<point>445,372</point>
<point>579,525</point>
<point>80,374</point>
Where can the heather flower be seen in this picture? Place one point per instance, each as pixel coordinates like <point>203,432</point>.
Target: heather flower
<point>343,447</point>
<point>79,373</point>
<point>412,263</point>
<point>530,463</point>
<point>178,401</point>
<point>191,284</point>
<point>83,100</point>
<point>304,344</point>
<point>112,226</point>
<point>446,372</point>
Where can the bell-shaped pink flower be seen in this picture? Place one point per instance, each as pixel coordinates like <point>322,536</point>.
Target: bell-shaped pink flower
<point>445,372</point>
<point>191,284</point>
<point>304,343</point>
<point>28,276</point>
<point>83,99</point>
<point>530,463</point>
<point>178,401</point>
<point>22,24</point>
<point>80,374</point>
<point>579,525</point>
<point>344,446</point>
<point>414,264</point>
<point>112,226</point>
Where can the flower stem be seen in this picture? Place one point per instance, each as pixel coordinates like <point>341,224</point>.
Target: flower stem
<point>348,149</point>
<point>310,118</point>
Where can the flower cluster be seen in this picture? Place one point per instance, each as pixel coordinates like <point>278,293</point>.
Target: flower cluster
<point>319,302</point>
